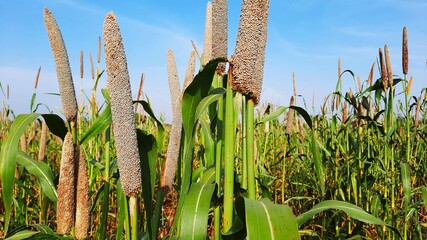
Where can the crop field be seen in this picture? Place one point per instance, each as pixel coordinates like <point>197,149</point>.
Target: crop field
<point>226,166</point>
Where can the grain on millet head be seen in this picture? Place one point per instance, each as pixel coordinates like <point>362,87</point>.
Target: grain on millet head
<point>408,88</point>
<point>81,64</point>
<point>388,66</point>
<point>290,118</point>
<point>172,154</point>
<point>65,209</point>
<point>220,31</point>
<point>82,196</point>
<point>383,69</point>
<point>191,67</point>
<point>174,86</point>
<point>371,75</point>
<point>92,68</point>
<point>249,55</point>
<point>345,112</point>
<point>207,45</point>
<point>219,28</point>
<point>36,82</point>
<point>417,111</point>
<point>121,107</point>
<point>405,58</point>
<point>42,142</point>
<point>63,70</point>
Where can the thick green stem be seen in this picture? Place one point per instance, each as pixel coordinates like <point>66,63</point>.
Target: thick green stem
<point>133,212</point>
<point>244,146</point>
<point>250,148</point>
<point>228,159</point>
<point>218,157</point>
<point>106,198</point>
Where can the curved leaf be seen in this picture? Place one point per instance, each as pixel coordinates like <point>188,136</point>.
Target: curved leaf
<point>304,114</point>
<point>208,142</point>
<point>160,128</point>
<point>424,195</point>
<point>25,234</point>
<point>195,212</point>
<point>204,104</point>
<point>265,220</point>
<point>350,209</point>
<point>8,161</point>
<point>273,115</point>
<point>406,181</point>
<point>101,123</point>
<point>195,92</point>
<point>56,125</point>
<point>41,171</point>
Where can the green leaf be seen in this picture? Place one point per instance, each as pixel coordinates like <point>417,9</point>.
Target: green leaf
<point>195,92</point>
<point>424,193</point>
<point>208,143</point>
<point>101,123</point>
<point>304,114</point>
<point>25,234</point>
<point>160,128</point>
<point>56,125</point>
<point>33,98</point>
<point>350,209</point>
<point>148,153</point>
<point>195,211</point>
<point>406,181</point>
<point>41,171</point>
<point>207,101</point>
<point>193,95</point>
<point>265,220</point>
<point>42,228</point>
<point>121,210</point>
<point>318,165</point>
<point>273,115</point>
<point>8,161</point>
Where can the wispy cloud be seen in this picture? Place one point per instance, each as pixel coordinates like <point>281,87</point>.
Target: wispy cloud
<point>354,32</point>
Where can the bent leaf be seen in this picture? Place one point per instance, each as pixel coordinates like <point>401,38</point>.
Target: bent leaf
<point>273,115</point>
<point>195,212</point>
<point>41,171</point>
<point>101,123</point>
<point>350,209</point>
<point>56,125</point>
<point>265,220</point>
<point>9,150</point>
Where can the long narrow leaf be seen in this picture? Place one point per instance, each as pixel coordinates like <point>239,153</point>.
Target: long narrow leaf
<point>101,123</point>
<point>304,114</point>
<point>265,220</point>
<point>207,101</point>
<point>195,212</point>
<point>41,171</point>
<point>406,181</point>
<point>273,115</point>
<point>22,235</point>
<point>424,195</point>
<point>8,161</point>
<point>350,209</point>
<point>56,125</point>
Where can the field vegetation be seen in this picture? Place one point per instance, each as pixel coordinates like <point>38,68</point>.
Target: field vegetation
<point>226,167</point>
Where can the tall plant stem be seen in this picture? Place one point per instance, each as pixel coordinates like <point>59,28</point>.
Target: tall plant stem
<point>106,198</point>
<point>244,146</point>
<point>408,143</point>
<point>218,157</point>
<point>133,212</point>
<point>250,148</point>
<point>228,158</point>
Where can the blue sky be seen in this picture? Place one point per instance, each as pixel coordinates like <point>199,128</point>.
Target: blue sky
<point>304,36</point>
